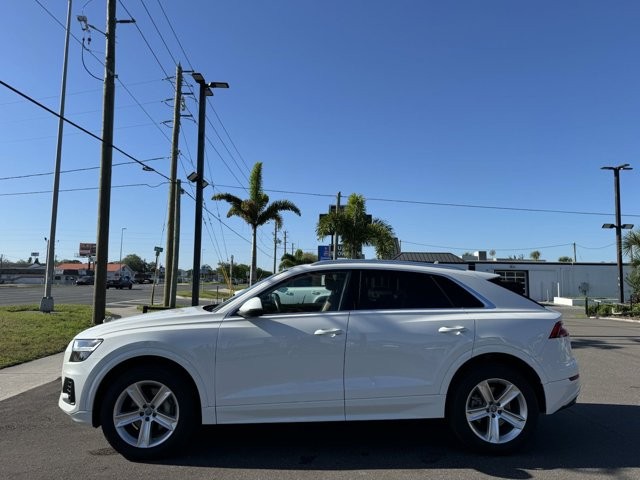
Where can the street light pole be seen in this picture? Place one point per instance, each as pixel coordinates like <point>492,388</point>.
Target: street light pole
<point>121,237</point>
<point>205,91</point>
<point>619,226</point>
<point>47,303</point>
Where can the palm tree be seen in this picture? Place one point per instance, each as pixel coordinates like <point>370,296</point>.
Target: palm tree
<point>357,229</point>
<point>299,258</point>
<point>535,255</point>
<point>631,247</point>
<point>256,211</point>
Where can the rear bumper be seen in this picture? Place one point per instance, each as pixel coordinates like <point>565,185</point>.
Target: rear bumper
<point>562,394</point>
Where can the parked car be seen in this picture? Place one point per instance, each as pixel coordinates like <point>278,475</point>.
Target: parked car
<point>85,280</point>
<point>143,278</point>
<point>388,340</point>
<point>120,283</point>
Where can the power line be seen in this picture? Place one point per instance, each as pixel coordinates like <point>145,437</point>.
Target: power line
<point>91,134</point>
<point>175,35</point>
<point>145,40</point>
<point>158,31</point>
<point>82,189</point>
<point>228,151</point>
<point>443,204</point>
<point>210,106</point>
<point>223,161</point>
<point>230,139</point>
<point>82,43</point>
<point>74,170</point>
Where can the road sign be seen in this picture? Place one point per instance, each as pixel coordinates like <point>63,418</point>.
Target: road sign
<point>324,252</point>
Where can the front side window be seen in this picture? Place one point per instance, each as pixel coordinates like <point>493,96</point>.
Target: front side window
<point>309,292</point>
<point>388,290</point>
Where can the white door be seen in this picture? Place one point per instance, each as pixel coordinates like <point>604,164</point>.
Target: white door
<point>407,332</point>
<point>285,365</point>
<point>395,361</point>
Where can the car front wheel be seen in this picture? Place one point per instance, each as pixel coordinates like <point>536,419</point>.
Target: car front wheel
<point>493,409</point>
<point>148,412</point>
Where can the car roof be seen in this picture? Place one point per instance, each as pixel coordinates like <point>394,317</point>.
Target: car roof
<point>395,265</point>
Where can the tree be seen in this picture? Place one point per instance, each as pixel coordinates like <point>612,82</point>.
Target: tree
<point>357,229</point>
<point>565,259</point>
<point>631,248</point>
<point>256,211</point>
<point>535,255</point>
<point>66,260</point>
<point>135,263</point>
<point>299,258</point>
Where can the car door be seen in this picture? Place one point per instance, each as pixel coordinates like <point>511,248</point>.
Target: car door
<point>404,336</point>
<point>286,364</point>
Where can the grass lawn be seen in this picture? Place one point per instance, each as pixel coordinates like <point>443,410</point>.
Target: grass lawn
<point>27,334</point>
<point>205,294</point>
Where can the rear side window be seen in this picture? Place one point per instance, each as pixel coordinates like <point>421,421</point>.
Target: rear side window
<point>387,290</point>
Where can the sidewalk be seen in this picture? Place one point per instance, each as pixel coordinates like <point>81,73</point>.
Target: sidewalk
<point>23,377</point>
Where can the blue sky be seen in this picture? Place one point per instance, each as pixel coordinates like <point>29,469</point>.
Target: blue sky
<point>428,109</point>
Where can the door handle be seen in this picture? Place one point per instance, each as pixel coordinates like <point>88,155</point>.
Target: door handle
<point>329,331</point>
<point>455,330</point>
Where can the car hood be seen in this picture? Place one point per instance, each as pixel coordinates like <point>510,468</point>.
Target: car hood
<point>165,318</point>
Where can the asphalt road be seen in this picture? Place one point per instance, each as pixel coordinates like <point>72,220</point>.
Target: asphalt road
<point>597,438</point>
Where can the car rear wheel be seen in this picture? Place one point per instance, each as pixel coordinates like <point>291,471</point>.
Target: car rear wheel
<point>148,412</point>
<point>493,409</point>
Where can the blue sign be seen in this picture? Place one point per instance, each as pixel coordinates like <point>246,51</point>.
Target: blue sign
<point>324,252</point>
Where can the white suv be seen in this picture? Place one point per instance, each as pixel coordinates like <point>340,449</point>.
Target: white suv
<point>360,340</point>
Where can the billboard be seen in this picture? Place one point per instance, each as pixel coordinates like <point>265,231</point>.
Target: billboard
<point>87,250</point>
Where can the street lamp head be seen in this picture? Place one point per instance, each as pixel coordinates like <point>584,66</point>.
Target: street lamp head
<point>198,77</point>
<point>627,226</point>
<point>218,85</point>
<point>608,225</point>
<point>624,166</point>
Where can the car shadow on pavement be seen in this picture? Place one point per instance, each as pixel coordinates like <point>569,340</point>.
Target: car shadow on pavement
<point>586,436</point>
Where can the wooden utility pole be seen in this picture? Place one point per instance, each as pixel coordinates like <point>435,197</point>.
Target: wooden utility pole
<point>171,251</point>
<point>104,199</point>
<point>176,247</point>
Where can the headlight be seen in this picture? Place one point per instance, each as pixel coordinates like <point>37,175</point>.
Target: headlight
<point>82,349</point>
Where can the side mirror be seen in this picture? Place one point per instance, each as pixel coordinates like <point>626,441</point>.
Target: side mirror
<point>251,308</point>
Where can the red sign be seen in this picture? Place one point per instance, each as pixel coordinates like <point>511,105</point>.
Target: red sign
<point>87,250</point>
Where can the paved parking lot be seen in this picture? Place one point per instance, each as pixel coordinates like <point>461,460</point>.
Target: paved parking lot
<point>597,438</point>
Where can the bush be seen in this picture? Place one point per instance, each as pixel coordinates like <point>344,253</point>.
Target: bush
<point>609,309</point>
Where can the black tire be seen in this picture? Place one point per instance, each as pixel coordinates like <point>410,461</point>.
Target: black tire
<point>168,425</point>
<point>493,409</point>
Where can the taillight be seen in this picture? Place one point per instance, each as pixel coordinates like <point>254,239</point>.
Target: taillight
<point>559,331</point>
